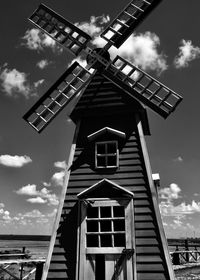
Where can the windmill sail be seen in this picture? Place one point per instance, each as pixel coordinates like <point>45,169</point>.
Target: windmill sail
<point>142,86</point>
<point>58,96</point>
<point>61,30</point>
<point>125,23</point>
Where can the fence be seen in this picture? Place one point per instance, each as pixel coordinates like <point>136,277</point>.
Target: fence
<point>185,253</point>
<point>19,266</point>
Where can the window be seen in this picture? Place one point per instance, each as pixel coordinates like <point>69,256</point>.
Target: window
<point>105,226</point>
<point>106,233</point>
<point>106,154</point>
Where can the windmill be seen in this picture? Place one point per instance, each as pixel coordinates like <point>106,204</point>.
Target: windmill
<point>108,225</point>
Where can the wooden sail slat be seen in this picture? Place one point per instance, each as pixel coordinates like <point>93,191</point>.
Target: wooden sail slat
<point>59,29</point>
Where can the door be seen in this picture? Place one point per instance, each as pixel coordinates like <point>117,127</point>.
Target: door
<point>107,240</point>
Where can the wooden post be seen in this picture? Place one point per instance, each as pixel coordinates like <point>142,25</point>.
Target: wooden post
<point>39,270</point>
<point>187,249</point>
<point>176,257</point>
<point>22,265</point>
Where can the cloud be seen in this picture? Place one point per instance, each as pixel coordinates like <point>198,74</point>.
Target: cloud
<point>182,209</point>
<point>58,178</point>
<point>38,83</point>
<point>34,214</point>
<point>170,193</point>
<point>36,200</point>
<point>178,159</point>
<point>95,26</point>
<point>168,208</point>
<point>187,53</point>
<point>27,190</point>
<point>14,82</point>
<point>14,161</point>
<point>36,40</point>
<point>43,63</point>
<point>42,196</point>
<point>60,164</point>
<point>46,184</point>
<point>140,49</point>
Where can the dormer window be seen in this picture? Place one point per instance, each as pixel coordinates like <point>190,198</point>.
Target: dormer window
<point>106,232</point>
<point>106,154</point>
<point>106,142</point>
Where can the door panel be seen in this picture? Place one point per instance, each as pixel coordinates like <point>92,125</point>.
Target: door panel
<point>108,267</point>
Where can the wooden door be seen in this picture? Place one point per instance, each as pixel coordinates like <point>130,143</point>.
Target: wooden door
<point>109,267</point>
<point>107,243</point>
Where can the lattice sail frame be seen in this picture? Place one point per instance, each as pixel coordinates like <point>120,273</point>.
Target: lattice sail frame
<point>123,25</point>
<point>58,96</point>
<point>59,29</point>
<point>126,76</point>
<point>142,86</point>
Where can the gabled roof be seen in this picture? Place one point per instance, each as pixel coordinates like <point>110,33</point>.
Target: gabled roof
<point>105,188</point>
<point>103,97</point>
<point>105,130</point>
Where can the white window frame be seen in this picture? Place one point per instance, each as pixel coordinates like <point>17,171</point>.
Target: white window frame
<point>91,251</point>
<point>106,155</point>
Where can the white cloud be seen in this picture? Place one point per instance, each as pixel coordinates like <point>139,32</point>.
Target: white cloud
<point>43,63</point>
<point>169,209</point>
<point>14,81</point>
<point>60,164</point>
<point>178,159</point>
<point>187,53</point>
<point>14,161</point>
<point>94,26</point>
<point>38,83</point>
<point>58,178</point>
<point>139,49</point>
<point>34,39</point>
<point>46,184</point>
<point>42,196</point>
<point>33,214</point>
<point>170,193</point>
<point>27,190</point>
<point>37,199</point>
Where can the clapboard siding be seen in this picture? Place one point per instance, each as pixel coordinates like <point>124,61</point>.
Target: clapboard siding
<point>131,174</point>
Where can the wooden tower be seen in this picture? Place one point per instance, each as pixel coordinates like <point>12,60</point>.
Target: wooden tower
<point>108,224</point>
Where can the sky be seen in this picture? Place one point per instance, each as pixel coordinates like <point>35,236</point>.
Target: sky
<point>166,45</point>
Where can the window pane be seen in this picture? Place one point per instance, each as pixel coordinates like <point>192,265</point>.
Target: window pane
<point>118,211</point>
<point>112,160</point>
<point>119,225</point>
<point>92,241</point>
<point>101,161</point>
<point>92,212</point>
<point>101,148</point>
<point>111,148</point>
<point>119,240</point>
<point>105,212</point>
<point>92,226</point>
<point>106,240</point>
<point>105,226</point>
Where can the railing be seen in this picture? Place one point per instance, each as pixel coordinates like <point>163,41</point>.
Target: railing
<point>185,253</point>
<point>19,266</point>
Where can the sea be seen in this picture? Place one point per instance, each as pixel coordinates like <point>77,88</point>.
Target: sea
<point>35,248</point>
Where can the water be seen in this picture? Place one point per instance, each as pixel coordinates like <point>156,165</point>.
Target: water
<point>37,249</point>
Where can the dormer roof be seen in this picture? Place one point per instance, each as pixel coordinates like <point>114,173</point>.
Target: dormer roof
<point>106,130</point>
<point>105,188</point>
